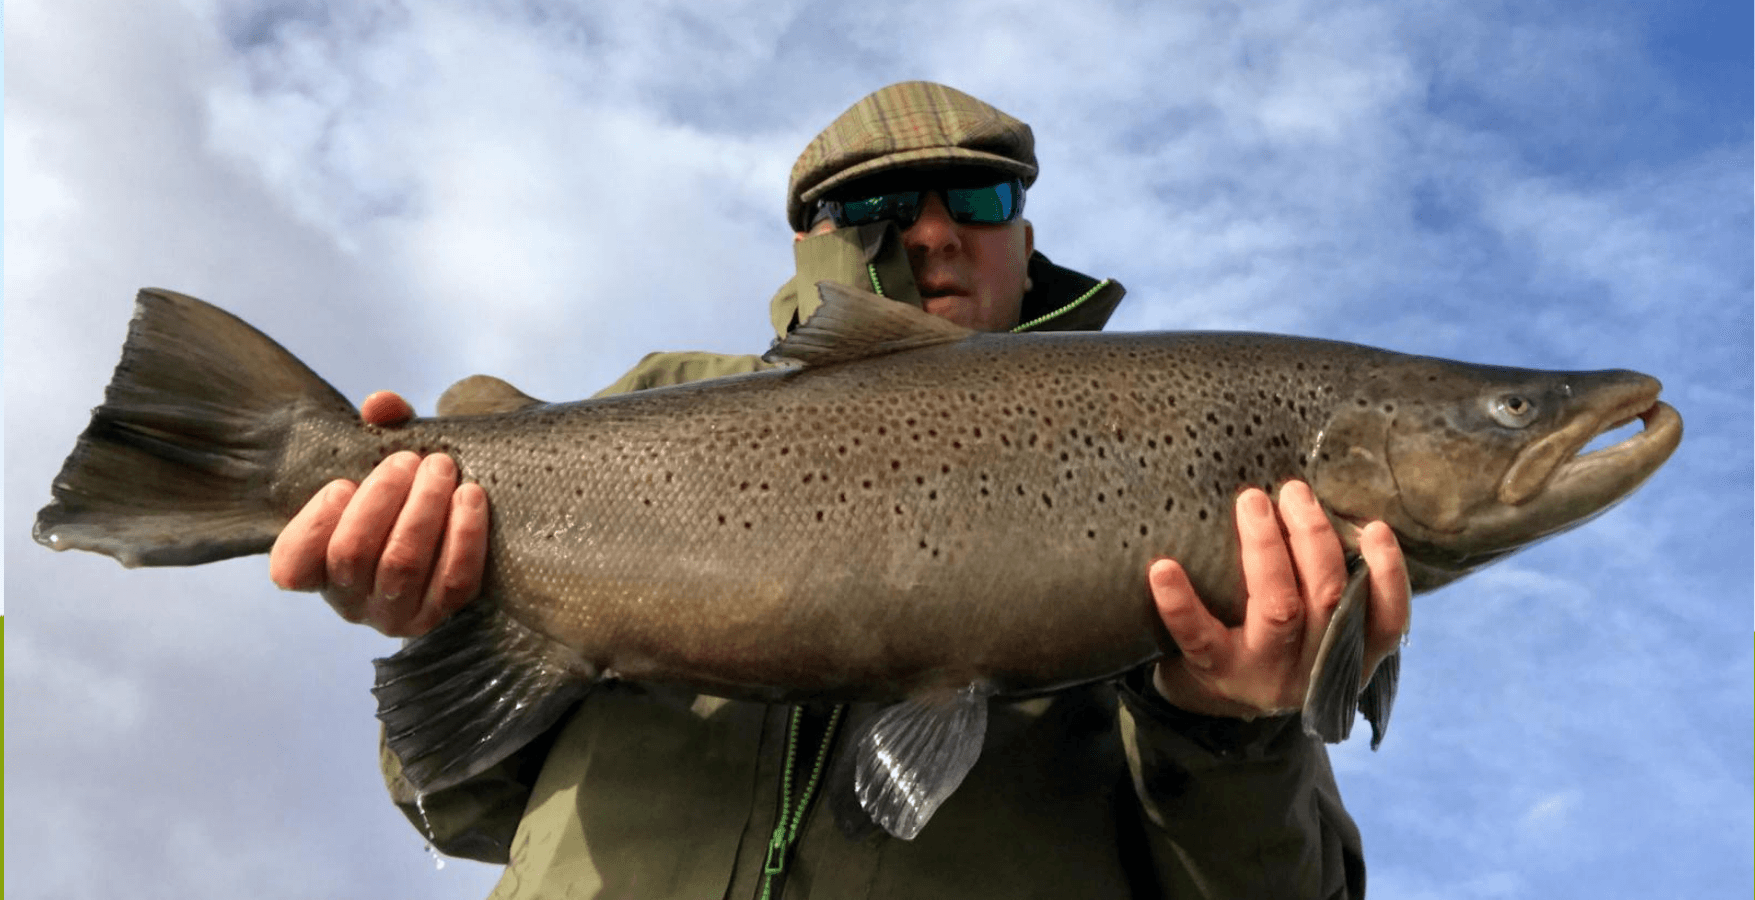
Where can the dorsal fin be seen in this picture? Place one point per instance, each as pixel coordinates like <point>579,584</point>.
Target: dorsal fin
<point>480,395</point>
<point>854,324</point>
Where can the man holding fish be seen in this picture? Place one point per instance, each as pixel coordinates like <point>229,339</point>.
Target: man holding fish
<point>1190,779</point>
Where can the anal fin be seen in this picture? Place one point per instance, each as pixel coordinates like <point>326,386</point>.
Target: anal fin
<point>913,755</point>
<point>470,692</point>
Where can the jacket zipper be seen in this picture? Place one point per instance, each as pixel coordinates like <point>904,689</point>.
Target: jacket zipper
<point>791,815</point>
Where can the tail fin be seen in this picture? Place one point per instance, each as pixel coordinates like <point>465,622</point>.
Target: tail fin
<point>176,465</point>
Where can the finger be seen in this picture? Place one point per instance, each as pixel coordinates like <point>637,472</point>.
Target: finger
<point>386,408</point>
<point>298,560</point>
<point>1388,618</point>
<point>1274,617</point>
<point>1317,558</point>
<point>1203,640</point>
<point>462,559</point>
<point>365,525</point>
<point>412,545</point>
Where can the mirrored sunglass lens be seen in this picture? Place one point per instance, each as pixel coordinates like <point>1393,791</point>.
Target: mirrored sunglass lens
<point>987,205</point>
<point>903,207</point>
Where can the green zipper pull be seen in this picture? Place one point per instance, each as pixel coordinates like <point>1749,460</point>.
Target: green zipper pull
<point>786,825</point>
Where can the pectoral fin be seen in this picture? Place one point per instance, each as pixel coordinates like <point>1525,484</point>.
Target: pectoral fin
<point>1379,696</point>
<point>1333,694</point>
<point>910,758</point>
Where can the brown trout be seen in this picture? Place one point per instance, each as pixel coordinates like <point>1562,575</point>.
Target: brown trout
<point>911,513</point>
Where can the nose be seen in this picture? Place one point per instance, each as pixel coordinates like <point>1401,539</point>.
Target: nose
<point>934,231</point>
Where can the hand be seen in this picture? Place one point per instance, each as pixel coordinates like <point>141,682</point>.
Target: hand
<point>399,551</point>
<point>1293,573</point>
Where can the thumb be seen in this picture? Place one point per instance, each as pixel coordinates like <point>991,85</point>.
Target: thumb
<point>386,408</point>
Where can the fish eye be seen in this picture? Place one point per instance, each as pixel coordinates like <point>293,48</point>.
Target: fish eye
<point>1512,410</point>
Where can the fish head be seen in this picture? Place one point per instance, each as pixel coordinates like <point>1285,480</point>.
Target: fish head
<point>1470,463</point>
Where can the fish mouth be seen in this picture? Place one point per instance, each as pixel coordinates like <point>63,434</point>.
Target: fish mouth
<point>1622,466</point>
<point>1553,486</point>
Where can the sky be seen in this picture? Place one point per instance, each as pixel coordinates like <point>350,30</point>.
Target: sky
<point>405,194</point>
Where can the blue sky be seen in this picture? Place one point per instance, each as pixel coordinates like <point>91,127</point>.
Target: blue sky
<point>543,191</point>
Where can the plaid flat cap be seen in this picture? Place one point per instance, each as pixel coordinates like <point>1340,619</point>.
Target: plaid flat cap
<point>914,123</point>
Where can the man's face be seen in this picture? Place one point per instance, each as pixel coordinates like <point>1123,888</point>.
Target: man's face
<point>971,274</point>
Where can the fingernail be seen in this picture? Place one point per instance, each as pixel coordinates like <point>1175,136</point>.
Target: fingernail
<point>441,465</point>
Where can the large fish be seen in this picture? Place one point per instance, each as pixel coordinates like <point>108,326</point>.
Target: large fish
<point>912,514</point>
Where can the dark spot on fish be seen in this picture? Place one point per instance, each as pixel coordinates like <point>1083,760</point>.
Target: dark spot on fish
<point>882,430</point>
<point>1389,407</point>
<point>819,515</point>
<point>1143,531</point>
<point>747,526</point>
<point>744,486</point>
<point>807,477</point>
<point>764,485</point>
<point>898,509</point>
<point>1020,490</point>
<point>722,520</point>
<point>932,495</point>
<point>578,492</point>
<point>1047,501</point>
<point>842,450</point>
<point>956,445</point>
<point>1203,515</point>
<point>1063,456</point>
<point>1191,470</point>
<point>785,450</point>
<point>1005,441</point>
<point>984,492</point>
<point>1090,534</point>
<point>646,501</point>
<point>944,469</point>
<point>866,484</point>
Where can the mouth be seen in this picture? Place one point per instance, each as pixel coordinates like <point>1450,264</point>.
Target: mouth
<point>1580,486</point>
<point>1660,432</point>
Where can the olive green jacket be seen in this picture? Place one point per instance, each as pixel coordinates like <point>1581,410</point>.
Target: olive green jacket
<point>1098,792</point>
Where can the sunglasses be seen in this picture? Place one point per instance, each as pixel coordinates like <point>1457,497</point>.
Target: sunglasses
<point>993,204</point>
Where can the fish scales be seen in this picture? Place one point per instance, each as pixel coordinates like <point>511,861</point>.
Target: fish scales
<point>872,513</point>
<point>915,515</point>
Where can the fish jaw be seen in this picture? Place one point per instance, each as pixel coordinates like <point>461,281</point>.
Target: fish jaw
<point>1495,507</point>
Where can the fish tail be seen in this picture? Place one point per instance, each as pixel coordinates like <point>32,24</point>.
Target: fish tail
<point>176,466</point>
<point>462,697</point>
